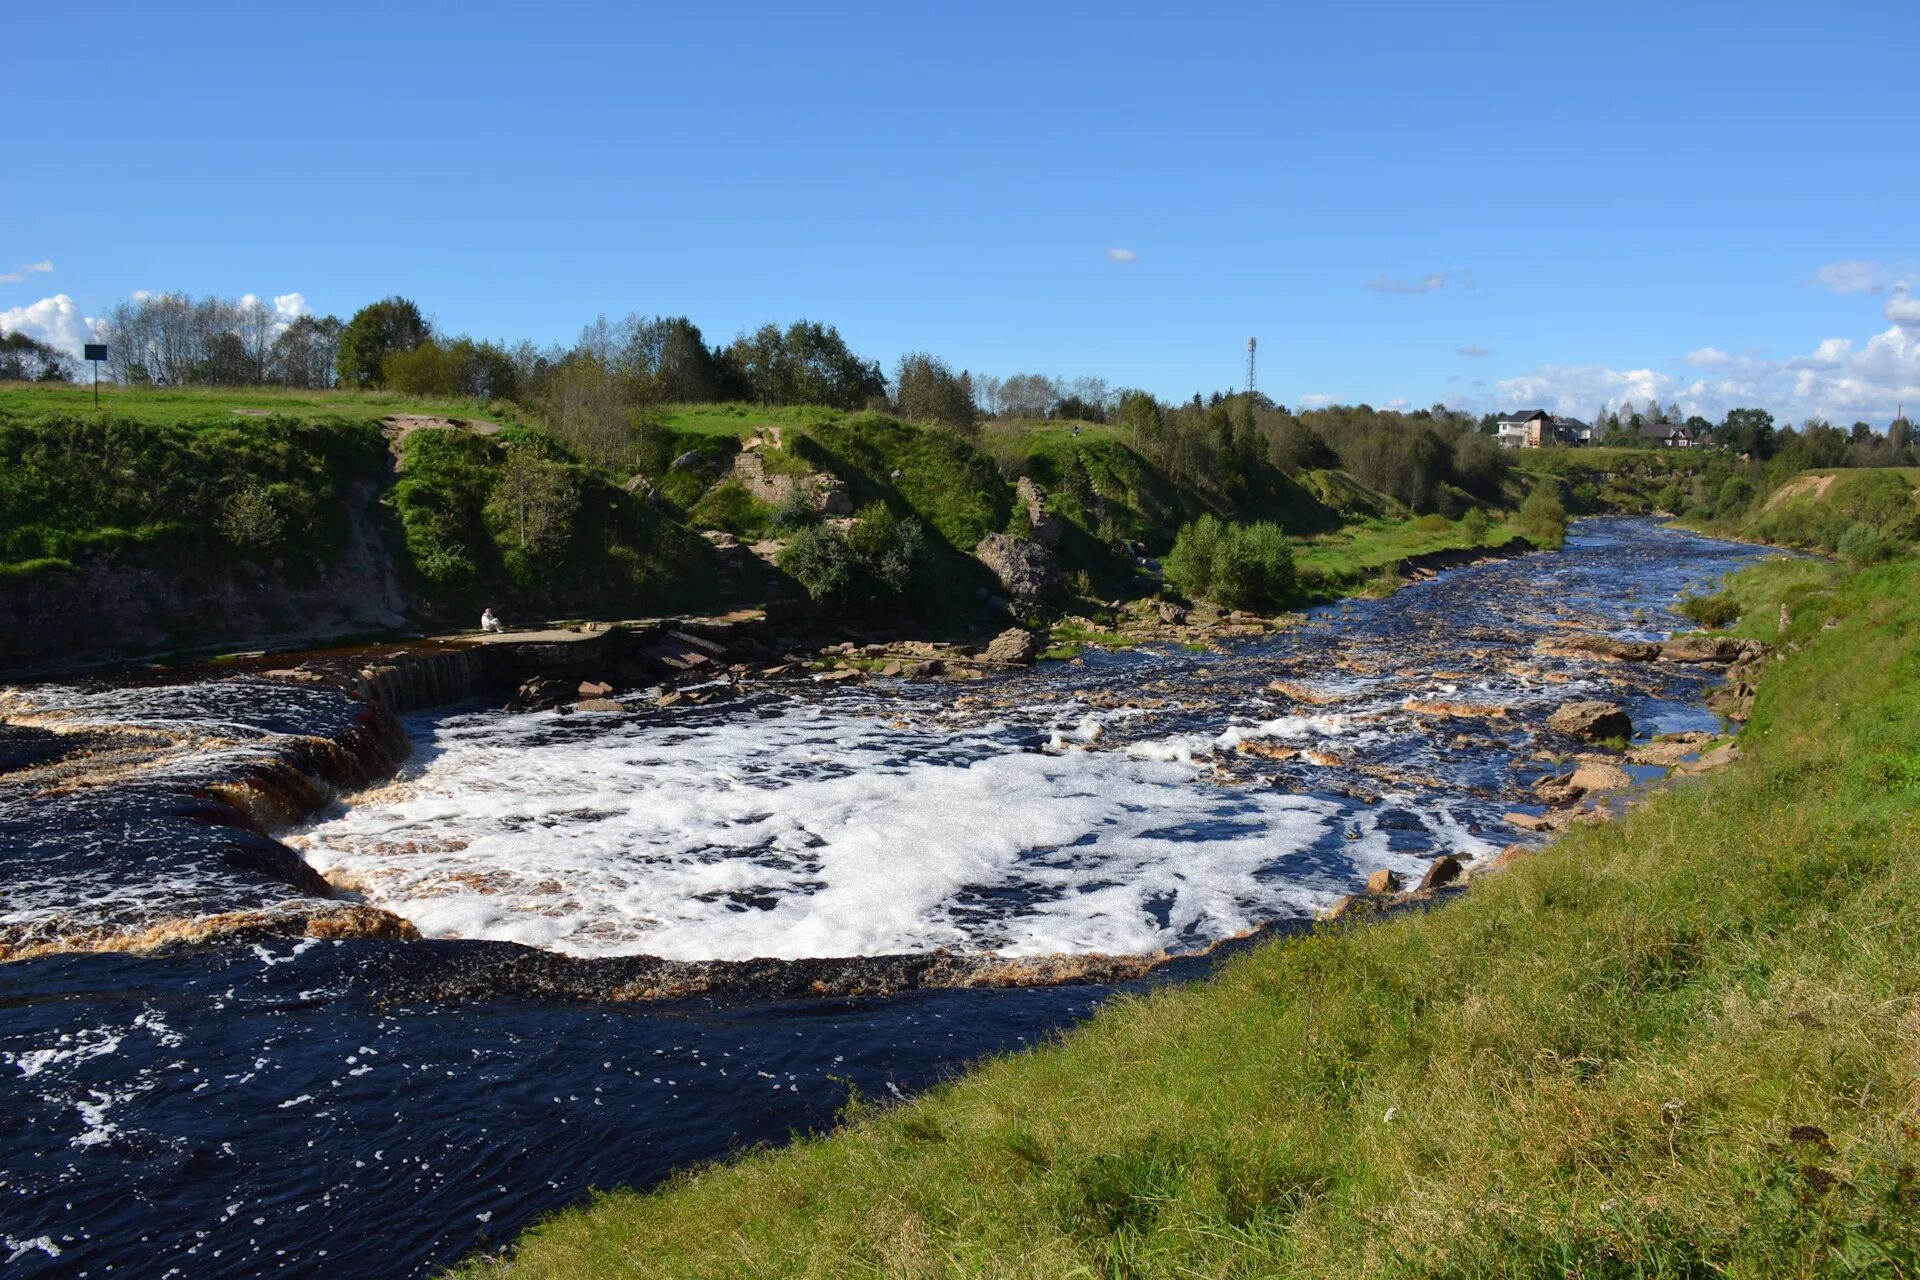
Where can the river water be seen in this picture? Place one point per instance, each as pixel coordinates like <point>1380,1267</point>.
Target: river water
<point>314,1107</point>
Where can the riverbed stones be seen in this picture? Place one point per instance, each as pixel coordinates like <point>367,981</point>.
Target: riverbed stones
<point>1598,775</point>
<point>1014,646</point>
<point>1443,870</point>
<point>1385,880</point>
<point>1592,720</point>
<point>1710,649</point>
<point>1603,647</point>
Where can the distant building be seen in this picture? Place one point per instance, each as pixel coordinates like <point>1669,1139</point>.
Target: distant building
<point>1671,435</point>
<point>1537,427</point>
<point>1520,430</point>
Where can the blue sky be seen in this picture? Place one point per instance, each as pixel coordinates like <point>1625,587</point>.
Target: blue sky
<point>1715,203</point>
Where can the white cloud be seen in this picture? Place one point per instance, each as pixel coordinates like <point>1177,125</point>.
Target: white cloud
<point>1858,275</point>
<point>1316,401</point>
<point>11,278</point>
<point>1903,308</point>
<point>289,306</point>
<point>1853,275</point>
<point>54,320</point>
<point>1477,353</point>
<point>1425,284</point>
<point>42,268</point>
<point>1834,381</point>
<point>1397,403</point>
<point>1122,256</point>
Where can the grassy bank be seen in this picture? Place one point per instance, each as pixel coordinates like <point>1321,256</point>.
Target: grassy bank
<point>1682,1045</point>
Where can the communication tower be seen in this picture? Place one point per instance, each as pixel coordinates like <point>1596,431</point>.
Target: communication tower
<point>1251,344</point>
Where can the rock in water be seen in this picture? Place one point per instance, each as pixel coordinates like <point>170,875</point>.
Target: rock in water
<point>1014,646</point>
<point>1443,870</point>
<point>1026,569</point>
<point>1710,649</point>
<point>1383,881</point>
<point>1592,720</point>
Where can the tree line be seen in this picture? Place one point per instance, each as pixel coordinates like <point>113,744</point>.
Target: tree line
<point>597,392</point>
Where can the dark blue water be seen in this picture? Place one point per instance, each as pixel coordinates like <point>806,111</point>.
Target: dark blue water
<point>298,1108</point>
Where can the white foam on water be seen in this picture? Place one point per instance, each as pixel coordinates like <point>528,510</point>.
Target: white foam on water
<point>816,831</point>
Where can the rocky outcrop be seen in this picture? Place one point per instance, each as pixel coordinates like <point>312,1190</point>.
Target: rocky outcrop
<point>1592,720</point>
<point>1026,570</point>
<point>1014,647</point>
<point>1602,647</point>
<point>1047,527</point>
<point>1598,775</point>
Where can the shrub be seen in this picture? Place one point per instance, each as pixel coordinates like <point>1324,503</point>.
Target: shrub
<point>729,506</point>
<point>1862,544</point>
<point>1672,498</point>
<point>819,559</point>
<point>250,520</point>
<point>1736,495</point>
<point>1433,524</point>
<point>1720,610</point>
<point>794,513</point>
<point>1475,523</point>
<point>1543,518</point>
<point>1238,566</point>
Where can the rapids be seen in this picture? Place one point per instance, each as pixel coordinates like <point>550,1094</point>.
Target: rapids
<point>279,1105</point>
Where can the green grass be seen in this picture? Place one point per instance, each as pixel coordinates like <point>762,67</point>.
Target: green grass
<point>1341,561</point>
<point>28,401</point>
<point>1681,1045</point>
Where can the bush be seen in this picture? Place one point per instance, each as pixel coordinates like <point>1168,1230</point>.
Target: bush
<point>1475,523</point>
<point>1238,566</point>
<point>1433,524</point>
<point>795,512</point>
<point>1720,610</point>
<point>1736,495</point>
<point>1862,544</point>
<point>819,559</point>
<point>1672,498</point>
<point>1543,518</point>
<point>729,506</point>
<point>250,520</point>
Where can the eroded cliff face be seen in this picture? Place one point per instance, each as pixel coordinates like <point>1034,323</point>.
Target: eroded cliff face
<point>137,602</point>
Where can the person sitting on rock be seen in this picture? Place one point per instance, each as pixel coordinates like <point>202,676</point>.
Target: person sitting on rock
<point>488,622</point>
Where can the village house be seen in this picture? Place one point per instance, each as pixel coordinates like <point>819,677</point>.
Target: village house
<point>1671,435</point>
<point>1536,427</point>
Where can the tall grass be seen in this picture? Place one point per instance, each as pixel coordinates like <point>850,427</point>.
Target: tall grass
<point>1681,1045</point>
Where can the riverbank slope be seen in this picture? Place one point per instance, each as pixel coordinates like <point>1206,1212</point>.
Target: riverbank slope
<point>1678,1044</point>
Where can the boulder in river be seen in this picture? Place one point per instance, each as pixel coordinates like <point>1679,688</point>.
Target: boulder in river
<point>1443,870</point>
<point>1709,649</point>
<point>1014,646</point>
<point>1385,880</point>
<point>1592,720</point>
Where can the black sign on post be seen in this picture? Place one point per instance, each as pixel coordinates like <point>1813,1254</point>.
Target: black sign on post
<point>96,352</point>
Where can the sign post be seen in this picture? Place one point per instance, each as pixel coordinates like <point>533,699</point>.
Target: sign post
<point>96,352</point>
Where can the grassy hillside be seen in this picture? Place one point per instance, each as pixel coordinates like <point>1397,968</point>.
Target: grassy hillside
<point>1877,508</point>
<point>202,493</point>
<point>1681,1045</point>
<point>32,401</point>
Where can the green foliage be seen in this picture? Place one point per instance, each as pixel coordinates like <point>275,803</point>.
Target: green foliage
<point>1736,495</point>
<point>1862,544</point>
<point>459,367</point>
<point>879,558</point>
<point>795,512</point>
<point>516,519</point>
<point>70,486</point>
<point>1237,566</point>
<point>1718,610</point>
<point>375,332</point>
<point>819,559</point>
<point>729,506</point>
<point>1818,512</point>
<point>251,521</point>
<point>1543,518</point>
<point>1475,523</point>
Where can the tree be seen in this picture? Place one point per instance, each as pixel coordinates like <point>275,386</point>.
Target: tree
<point>26,359</point>
<point>304,353</point>
<point>376,331</point>
<point>1543,517</point>
<point>928,391</point>
<point>534,500</point>
<point>1900,434</point>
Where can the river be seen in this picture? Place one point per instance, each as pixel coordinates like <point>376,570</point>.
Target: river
<point>282,1106</point>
